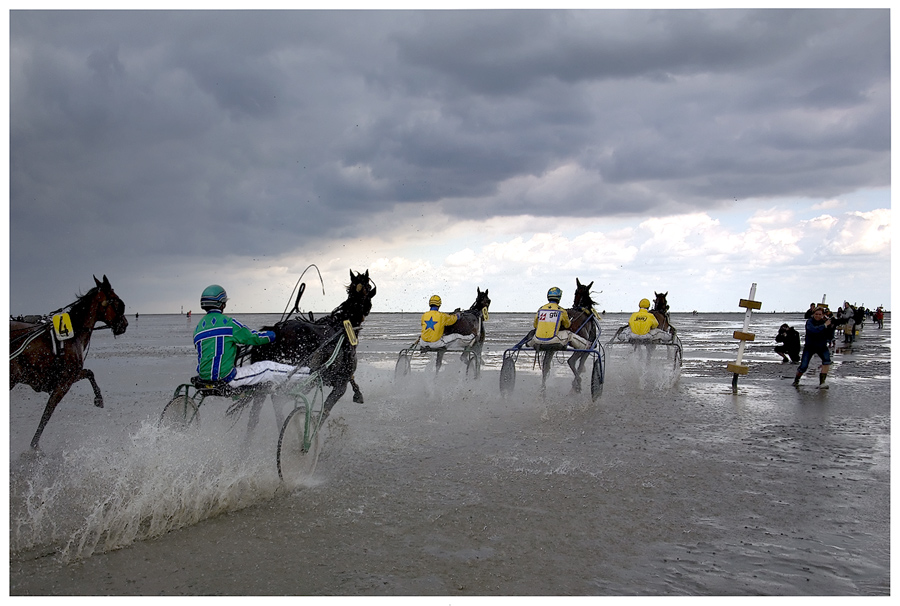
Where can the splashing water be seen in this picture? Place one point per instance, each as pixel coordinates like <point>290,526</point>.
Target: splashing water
<point>635,368</point>
<point>91,500</point>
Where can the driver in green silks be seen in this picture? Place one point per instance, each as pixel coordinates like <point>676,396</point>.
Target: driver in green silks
<point>216,339</point>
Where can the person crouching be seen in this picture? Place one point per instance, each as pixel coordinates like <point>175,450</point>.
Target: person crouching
<point>789,350</point>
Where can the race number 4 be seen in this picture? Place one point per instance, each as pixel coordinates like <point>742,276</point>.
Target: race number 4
<point>62,326</point>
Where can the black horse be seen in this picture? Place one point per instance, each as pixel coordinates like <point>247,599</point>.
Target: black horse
<point>307,342</point>
<point>470,322</point>
<point>581,324</point>
<point>45,363</point>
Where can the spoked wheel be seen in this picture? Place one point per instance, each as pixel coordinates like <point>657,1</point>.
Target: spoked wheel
<point>507,376</point>
<point>597,379</point>
<point>299,445</point>
<point>180,413</point>
<point>402,368</point>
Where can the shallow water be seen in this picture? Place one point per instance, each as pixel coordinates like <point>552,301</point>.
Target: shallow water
<point>669,484</point>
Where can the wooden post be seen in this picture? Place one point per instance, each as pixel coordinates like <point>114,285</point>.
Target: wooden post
<point>739,368</point>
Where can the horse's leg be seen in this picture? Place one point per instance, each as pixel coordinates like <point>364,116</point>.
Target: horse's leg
<point>357,393</point>
<point>476,350</point>
<point>581,363</point>
<point>256,403</point>
<point>89,375</point>
<point>278,402</point>
<point>546,359</point>
<point>336,394</point>
<point>576,382</point>
<point>440,359</point>
<point>55,397</point>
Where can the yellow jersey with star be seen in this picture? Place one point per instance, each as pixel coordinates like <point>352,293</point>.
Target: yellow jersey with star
<point>548,320</point>
<point>433,323</point>
<point>642,322</point>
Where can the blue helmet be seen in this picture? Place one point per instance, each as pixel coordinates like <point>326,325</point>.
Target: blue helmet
<point>213,297</point>
<point>554,294</point>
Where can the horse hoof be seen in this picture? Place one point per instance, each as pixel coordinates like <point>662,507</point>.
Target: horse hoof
<point>98,403</point>
<point>358,399</point>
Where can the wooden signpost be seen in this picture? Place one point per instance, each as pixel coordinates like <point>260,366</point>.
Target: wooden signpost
<point>739,368</point>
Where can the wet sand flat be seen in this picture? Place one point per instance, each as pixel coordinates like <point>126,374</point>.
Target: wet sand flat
<point>438,486</point>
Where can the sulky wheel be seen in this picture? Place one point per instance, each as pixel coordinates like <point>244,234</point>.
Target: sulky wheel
<point>179,414</point>
<point>402,368</point>
<point>597,379</point>
<point>507,376</point>
<point>298,446</point>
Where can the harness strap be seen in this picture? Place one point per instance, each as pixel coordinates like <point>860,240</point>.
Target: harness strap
<point>588,314</point>
<point>29,337</point>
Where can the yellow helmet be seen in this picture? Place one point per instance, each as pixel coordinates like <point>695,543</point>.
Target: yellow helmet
<point>644,304</point>
<point>434,301</point>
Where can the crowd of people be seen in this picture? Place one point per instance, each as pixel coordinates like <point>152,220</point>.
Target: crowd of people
<point>821,330</point>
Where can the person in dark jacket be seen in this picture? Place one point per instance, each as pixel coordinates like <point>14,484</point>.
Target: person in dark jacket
<point>859,316</point>
<point>809,312</point>
<point>790,344</point>
<point>816,344</point>
<point>830,331</point>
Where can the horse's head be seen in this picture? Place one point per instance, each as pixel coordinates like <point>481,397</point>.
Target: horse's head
<point>360,293</point>
<point>583,295</point>
<point>482,302</point>
<point>111,307</point>
<point>660,303</point>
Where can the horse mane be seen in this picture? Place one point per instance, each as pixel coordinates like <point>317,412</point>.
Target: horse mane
<point>478,303</point>
<point>583,293</point>
<point>82,301</point>
<point>352,305</point>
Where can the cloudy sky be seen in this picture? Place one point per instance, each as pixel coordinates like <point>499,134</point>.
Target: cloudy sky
<point>694,152</point>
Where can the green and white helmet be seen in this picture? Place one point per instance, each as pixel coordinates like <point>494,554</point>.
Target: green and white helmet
<point>213,297</point>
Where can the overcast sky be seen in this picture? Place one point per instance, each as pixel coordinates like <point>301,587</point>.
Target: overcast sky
<point>693,152</point>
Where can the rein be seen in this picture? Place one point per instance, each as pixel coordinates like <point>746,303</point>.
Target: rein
<point>589,312</point>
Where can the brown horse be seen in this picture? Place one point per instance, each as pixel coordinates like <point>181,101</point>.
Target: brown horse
<point>661,311</point>
<point>470,322</point>
<point>46,364</point>
<point>580,324</point>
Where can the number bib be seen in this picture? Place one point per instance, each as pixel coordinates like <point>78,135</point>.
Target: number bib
<point>62,326</point>
<point>548,323</point>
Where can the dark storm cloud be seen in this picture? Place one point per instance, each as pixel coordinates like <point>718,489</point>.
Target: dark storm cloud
<point>190,133</point>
